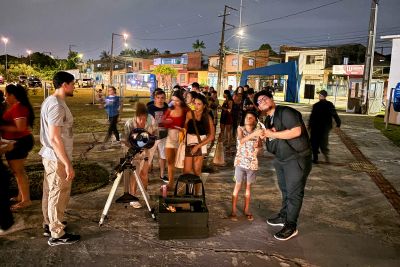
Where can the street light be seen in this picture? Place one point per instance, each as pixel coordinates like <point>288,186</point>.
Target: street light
<point>125,36</point>
<point>240,35</point>
<point>29,54</point>
<point>5,40</point>
<point>80,63</point>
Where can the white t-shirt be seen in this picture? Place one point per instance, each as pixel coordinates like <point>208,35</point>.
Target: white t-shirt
<point>55,112</point>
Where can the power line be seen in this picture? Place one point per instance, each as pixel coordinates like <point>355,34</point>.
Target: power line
<point>294,14</point>
<point>247,25</point>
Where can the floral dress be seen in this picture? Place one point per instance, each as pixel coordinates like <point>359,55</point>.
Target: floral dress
<point>246,154</point>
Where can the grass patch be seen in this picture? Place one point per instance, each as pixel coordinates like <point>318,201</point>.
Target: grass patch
<point>392,132</point>
<point>85,114</point>
<point>89,177</point>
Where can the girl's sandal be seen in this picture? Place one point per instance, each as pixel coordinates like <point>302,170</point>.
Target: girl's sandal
<point>233,217</point>
<point>21,205</point>
<point>249,217</point>
<point>15,199</point>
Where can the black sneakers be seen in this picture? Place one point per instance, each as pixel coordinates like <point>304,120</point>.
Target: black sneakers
<point>164,179</point>
<point>46,229</point>
<point>286,233</point>
<point>66,239</point>
<point>276,221</point>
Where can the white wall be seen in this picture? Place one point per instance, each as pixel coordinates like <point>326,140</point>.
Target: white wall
<point>394,77</point>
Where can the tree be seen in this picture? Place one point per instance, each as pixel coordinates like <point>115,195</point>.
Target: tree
<point>104,55</point>
<point>21,69</point>
<point>165,74</point>
<point>268,47</point>
<point>41,60</point>
<point>198,45</point>
<point>128,52</point>
<point>73,60</point>
<point>142,53</point>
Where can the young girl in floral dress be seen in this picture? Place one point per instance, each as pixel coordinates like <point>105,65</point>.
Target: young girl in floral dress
<point>246,163</point>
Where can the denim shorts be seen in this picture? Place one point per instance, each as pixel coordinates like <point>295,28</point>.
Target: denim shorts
<point>242,174</point>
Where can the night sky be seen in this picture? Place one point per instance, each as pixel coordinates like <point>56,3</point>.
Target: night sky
<point>53,25</point>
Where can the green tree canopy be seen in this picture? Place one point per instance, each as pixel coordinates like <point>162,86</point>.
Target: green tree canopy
<point>165,74</point>
<point>74,58</point>
<point>21,69</point>
<point>198,45</point>
<point>41,60</point>
<point>104,55</point>
<point>142,53</point>
<point>268,47</point>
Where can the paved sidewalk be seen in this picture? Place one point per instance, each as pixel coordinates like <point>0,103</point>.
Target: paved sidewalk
<point>348,218</point>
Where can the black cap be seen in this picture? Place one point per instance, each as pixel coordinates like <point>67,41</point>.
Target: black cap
<point>323,92</point>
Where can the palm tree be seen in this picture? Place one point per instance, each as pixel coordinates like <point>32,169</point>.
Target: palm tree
<point>104,55</point>
<point>198,45</point>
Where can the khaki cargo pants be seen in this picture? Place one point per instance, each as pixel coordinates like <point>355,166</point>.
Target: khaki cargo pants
<point>56,194</point>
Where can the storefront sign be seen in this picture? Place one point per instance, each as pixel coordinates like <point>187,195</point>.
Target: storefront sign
<point>349,70</point>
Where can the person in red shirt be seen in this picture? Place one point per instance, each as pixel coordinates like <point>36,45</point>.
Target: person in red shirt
<point>18,121</point>
<point>174,120</point>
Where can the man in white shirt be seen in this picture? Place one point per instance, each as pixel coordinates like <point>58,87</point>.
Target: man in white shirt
<point>57,143</point>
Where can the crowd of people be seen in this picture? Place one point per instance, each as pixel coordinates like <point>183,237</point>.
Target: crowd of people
<point>247,120</point>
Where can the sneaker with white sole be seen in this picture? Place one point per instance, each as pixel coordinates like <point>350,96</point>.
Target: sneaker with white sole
<point>276,221</point>
<point>164,179</point>
<point>66,239</point>
<point>46,229</point>
<point>135,204</point>
<point>286,233</point>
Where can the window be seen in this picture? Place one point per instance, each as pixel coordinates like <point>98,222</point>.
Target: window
<point>182,78</point>
<point>140,65</point>
<point>310,59</point>
<point>234,62</point>
<point>135,64</point>
<point>251,62</point>
<point>293,59</point>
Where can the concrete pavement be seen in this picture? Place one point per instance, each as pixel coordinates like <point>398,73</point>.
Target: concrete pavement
<point>349,216</point>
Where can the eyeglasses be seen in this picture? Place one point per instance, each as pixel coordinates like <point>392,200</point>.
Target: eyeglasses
<point>262,99</point>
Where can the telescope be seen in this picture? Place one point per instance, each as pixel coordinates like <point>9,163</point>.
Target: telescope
<point>139,140</point>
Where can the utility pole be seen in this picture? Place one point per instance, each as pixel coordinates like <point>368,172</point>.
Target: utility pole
<point>222,49</point>
<point>70,46</point>
<point>111,59</point>
<point>125,36</point>
<point>369,57</point>
<point>240,34</point>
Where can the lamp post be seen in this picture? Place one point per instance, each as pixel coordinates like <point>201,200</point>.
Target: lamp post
<point>125,36</point>
<point>80,62</point>
<point>5,40</point>
<point>240,35</point>
<point>29,54</point>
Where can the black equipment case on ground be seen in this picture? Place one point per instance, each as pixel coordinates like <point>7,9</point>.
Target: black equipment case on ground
<point>190,221</point>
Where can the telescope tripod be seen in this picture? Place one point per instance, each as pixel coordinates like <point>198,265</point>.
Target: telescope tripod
<point>125,165</point>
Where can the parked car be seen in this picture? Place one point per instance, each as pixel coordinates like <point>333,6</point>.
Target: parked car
<point>34,82</point>
<point>22,79</point>
<point>85,82</point>
<point>1,79</point>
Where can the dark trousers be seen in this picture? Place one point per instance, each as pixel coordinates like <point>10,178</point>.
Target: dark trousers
<point>6,217</point>
<point>112,128</point>
<point>292,176</point>
<point>319,141</point>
